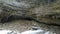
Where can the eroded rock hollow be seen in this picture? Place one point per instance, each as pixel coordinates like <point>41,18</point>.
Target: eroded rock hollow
<point>42,11</point>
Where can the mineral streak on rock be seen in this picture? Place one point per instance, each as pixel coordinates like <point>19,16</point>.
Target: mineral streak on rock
<point>39,10</point>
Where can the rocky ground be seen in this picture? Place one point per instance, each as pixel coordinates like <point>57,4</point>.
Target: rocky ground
<point>24,25</point>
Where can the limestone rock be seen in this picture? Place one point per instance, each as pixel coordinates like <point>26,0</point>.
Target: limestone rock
<point>46,11</point>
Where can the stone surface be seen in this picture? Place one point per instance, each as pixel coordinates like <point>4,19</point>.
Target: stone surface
<point>39,10</point>
<point>26,26</point>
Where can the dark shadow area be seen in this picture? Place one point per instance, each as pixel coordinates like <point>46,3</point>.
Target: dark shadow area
<point>15,17</point>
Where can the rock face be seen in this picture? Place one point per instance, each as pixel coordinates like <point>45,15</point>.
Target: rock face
<point>45,11</point>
